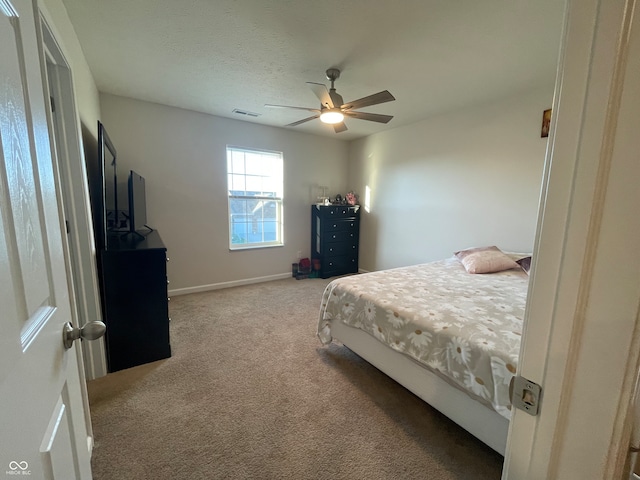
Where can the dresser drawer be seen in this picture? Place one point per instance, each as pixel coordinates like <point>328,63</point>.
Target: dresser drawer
<point>341,264</point>
<point>339,211</point>
<point>340,225</point>
<point>343,236</point>
<point>329,226</point>
<point>340,248</point>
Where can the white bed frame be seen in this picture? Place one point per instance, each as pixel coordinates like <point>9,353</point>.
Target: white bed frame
<point>479,420</point>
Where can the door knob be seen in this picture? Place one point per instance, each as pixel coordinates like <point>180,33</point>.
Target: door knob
<point>90,331</point>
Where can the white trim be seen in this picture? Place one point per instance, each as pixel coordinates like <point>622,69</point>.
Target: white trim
<point>255,246</point>
<point>269,156</point>
<point>73,187</point>
<point>265,151</point>
<point>234,283</point>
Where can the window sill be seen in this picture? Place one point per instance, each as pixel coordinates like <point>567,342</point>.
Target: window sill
<point>255,247</point>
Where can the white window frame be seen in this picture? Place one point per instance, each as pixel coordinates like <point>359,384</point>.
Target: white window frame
<point>239,175</point>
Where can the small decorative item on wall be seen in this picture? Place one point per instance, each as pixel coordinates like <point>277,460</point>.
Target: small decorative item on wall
<point>546,123</point>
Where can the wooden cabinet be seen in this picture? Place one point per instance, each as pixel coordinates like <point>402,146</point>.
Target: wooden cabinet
<point>334,238</point>
<point>136,309</point>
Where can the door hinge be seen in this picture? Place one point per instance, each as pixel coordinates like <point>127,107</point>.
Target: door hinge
<point>53,105</point>
<point>525,394</point>
<point>66,223</point>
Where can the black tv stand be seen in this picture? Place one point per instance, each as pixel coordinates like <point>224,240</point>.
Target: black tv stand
<point>136,308</point>
<point>135,234</point>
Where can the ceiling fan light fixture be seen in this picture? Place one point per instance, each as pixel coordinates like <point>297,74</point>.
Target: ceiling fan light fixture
<point>331,116</point>
<point>333,109</point>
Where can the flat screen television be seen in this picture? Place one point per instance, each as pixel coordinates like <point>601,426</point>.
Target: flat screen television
<point>137,205</point>
<point>107,156</point>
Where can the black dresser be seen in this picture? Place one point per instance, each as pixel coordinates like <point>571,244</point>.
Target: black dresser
<point>334,238</point>
<point>136,309</point>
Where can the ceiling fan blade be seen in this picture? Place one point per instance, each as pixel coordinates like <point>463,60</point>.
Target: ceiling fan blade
<point>373,117</point>
<point>375,99</point>
<point>322,93</point>
<point>339,127</point>
<point>302,121</point>
<point>336,98</point>
<point>297,108</point>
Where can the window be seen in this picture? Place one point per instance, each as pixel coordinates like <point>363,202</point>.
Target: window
<point>254,179</point>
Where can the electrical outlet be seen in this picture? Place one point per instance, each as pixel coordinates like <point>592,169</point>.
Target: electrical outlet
<point>299,254</point>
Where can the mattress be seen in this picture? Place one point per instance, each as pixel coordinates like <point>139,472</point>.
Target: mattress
<point>464,327</point>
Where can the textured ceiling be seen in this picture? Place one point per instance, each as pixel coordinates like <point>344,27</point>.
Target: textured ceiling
<point>214,56</point>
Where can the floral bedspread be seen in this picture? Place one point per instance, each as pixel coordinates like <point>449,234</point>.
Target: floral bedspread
<point>466,327</point>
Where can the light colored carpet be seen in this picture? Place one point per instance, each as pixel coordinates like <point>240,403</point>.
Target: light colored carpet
<point>250,393</point>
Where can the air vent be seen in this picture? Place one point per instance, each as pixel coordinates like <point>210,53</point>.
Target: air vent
<point>245,112</point>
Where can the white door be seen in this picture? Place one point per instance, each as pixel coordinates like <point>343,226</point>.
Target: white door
<point>582,332</point>
<point>43,430</point>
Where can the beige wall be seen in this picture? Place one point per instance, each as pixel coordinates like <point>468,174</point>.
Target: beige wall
<point>467,178</point>
<point>182,155</point>
<point>86,92</point>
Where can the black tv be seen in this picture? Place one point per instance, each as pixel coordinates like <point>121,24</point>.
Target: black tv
<point>137,205</point>
<point>107,157</point>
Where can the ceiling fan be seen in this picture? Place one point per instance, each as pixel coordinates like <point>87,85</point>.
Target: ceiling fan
<point>333,110</point>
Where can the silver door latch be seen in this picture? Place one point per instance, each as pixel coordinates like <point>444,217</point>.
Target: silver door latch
<point>525,394</point>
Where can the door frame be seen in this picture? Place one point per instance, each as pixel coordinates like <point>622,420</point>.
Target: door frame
<point>72,181</point>
<point>582,326</point>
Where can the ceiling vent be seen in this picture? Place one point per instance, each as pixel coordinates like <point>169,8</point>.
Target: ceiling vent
<point>245,112</point>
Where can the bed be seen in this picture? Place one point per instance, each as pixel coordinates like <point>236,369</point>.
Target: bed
<point>449,336</point>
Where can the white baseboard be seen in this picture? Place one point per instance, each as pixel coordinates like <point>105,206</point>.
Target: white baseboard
<point>235,283</point>
<point>362,270</point>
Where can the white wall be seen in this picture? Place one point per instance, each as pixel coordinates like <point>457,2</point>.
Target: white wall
<point>182,155</point>
<point>467,178</point>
